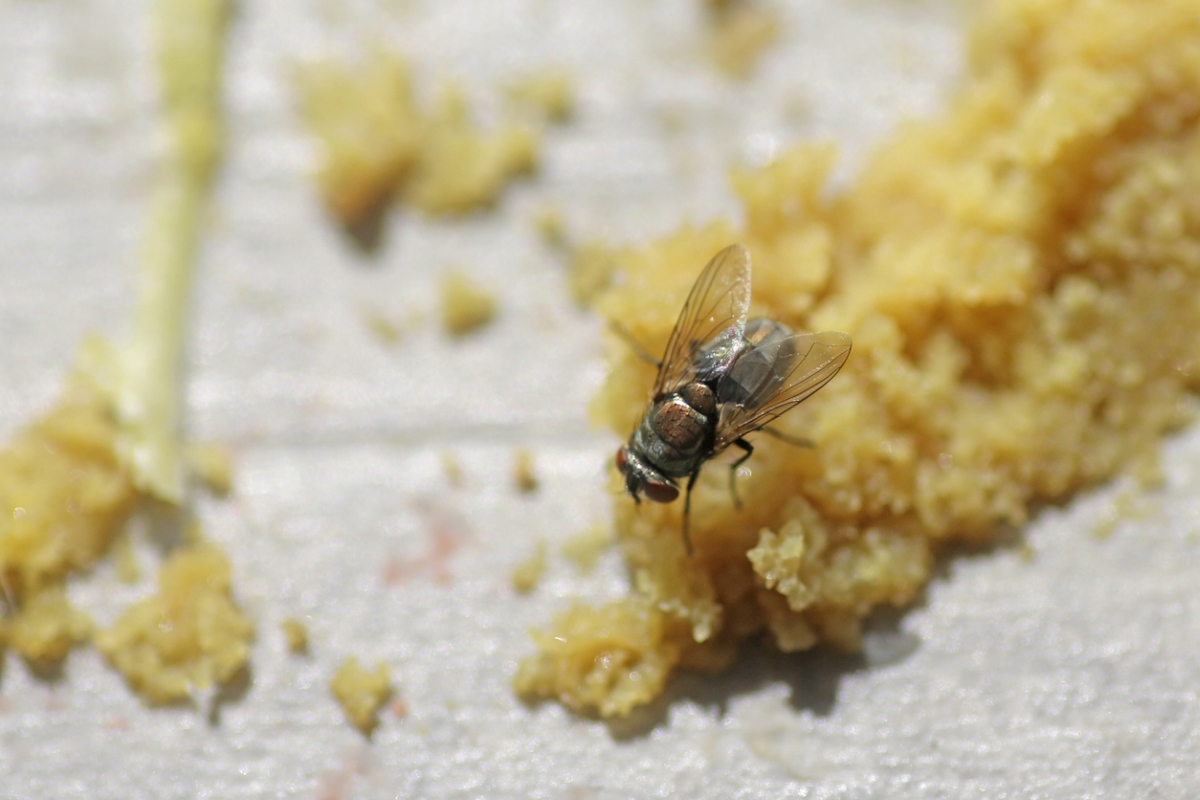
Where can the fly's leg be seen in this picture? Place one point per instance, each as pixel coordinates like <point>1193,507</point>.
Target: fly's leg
<point>687,513</point>
<point>634,344</point>
<point>749,448</point>
<point>784,437</point>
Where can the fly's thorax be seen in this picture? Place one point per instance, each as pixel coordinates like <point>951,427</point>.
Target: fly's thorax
<point>642,478</point>
<point>761,366</point>
<point>674,437</point>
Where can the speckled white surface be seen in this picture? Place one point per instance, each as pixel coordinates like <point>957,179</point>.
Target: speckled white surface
<point>1072,675</point>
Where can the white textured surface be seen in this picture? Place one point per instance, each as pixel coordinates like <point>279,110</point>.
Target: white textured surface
<point>1071,676</point>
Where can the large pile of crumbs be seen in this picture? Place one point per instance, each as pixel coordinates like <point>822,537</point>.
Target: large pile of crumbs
<point>1021,278</point>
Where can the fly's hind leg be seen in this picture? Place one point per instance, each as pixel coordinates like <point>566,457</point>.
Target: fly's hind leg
<point>687,512</point>
<point>749,448</point>
<point>786,437</point>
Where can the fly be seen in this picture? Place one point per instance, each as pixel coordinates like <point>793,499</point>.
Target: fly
<point>722,377</point>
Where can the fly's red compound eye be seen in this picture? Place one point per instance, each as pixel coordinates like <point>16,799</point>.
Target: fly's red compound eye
<point>621,459</point>
<point>661,492</point>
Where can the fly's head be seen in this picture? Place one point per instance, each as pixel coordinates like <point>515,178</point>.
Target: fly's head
<point>642,478</point>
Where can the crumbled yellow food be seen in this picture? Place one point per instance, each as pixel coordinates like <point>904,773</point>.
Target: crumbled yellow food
<point>585,549</point>
<point>361,693</point>
<point>296,634</point>
<point>188,637</point>
<point>378,143</point>
<point>527,574</point>
<point>64,493</point>
<point>47,627</point>
<point>125,558</point>
<point>213,465</point>
<point>1128,504</point>
<point>547,92</point>
<point>548,223</point>
<point>524,475</point>
<point>452,468</point>
<point>740,32</point>
<point>591,272</point>
<point>1021,278</point>
<point>466,307</point>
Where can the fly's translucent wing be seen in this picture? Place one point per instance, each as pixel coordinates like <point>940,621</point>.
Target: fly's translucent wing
<point>716,307</point>
<point>768,380</point>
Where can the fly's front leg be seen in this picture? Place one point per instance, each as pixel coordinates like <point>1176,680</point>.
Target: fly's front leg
<point>749,448</point>
<point>687,512</point>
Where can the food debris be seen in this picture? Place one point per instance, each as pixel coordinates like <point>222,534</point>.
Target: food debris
<point>465,306</point>
<point>1129,504</point>
<point>549,93</point>
<point>591,271</point>
<point>213,465</point>
<point>361,693</point>
<point>188,637</point>
<point>295,632</point>
<point>548,223</point>
<point>48,627</point>
<point>740,30</point>
<point>452,469</point>
<point>528,574</point>
<point>524,475</point>
<point>1019,277</point>
<point>378,143</point>
<point>585,549</point>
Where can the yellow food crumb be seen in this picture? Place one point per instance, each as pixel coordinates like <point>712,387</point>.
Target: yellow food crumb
<point>188,637</point>
<point>213,465</point>
<point>47,627</point>
<point>547,92</point>
<point>1129,504</point>
<point>524,476</point>
<point>1022,284</point>
<point>296,634</point>
<point>527,574</point>
<point>465,306</point>
<point>385,327</point>
<point>452,468</point>
<point>125,558</point>
<point>585,549</point>
<point>548,223</point>
<point>378,143</point>
<point>740,32</point>
<point>361,693</point>
<point>591,272</point>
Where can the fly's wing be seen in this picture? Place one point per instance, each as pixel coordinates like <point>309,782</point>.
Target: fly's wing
<point>715,307</point>
<point>813,360</point>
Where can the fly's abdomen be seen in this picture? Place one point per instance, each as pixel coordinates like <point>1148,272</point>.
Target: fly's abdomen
<point>761,367</point>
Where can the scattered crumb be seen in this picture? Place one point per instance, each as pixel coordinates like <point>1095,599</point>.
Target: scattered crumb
<point>386,328</point>
<point>296,634</point>
<point>1020,278</point>
<point>1026,553</point>
<point>527,574</point>
<point>548,223</point>
<point>213,465</point>
<point>591,272</point>
<point>188,637</point>
<point>452,468</point>
<point>548,93</point>
<point>48,627</point>
<point>739,34</point>
<point>379,144</point>
<point>399,708</point>
<point>585,549</point>
<point>361,693</point>
<point>465,306</point>
<point>524,476</point>
<point>1130,503</point>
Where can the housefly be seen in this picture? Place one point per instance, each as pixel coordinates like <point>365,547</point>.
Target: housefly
<point>722,377</point>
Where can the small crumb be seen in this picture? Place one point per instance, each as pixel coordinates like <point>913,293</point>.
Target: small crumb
<point>46,627</point>
<point>591,272</point>
<point>1129,504</point>
<point>547,93</point>
<point>387,329</point>
<point>527,574</point>
<point>296,634</point>
<point>361,693</point>
<point>213,465</point>
<point>584,549</point>
<point>399,708</point>
<point>1026,553</point>
<point>523,471</point>
<point>465,306</point>
<point>548,222</point>
<point>452,468</point>
<point>739,35</point>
